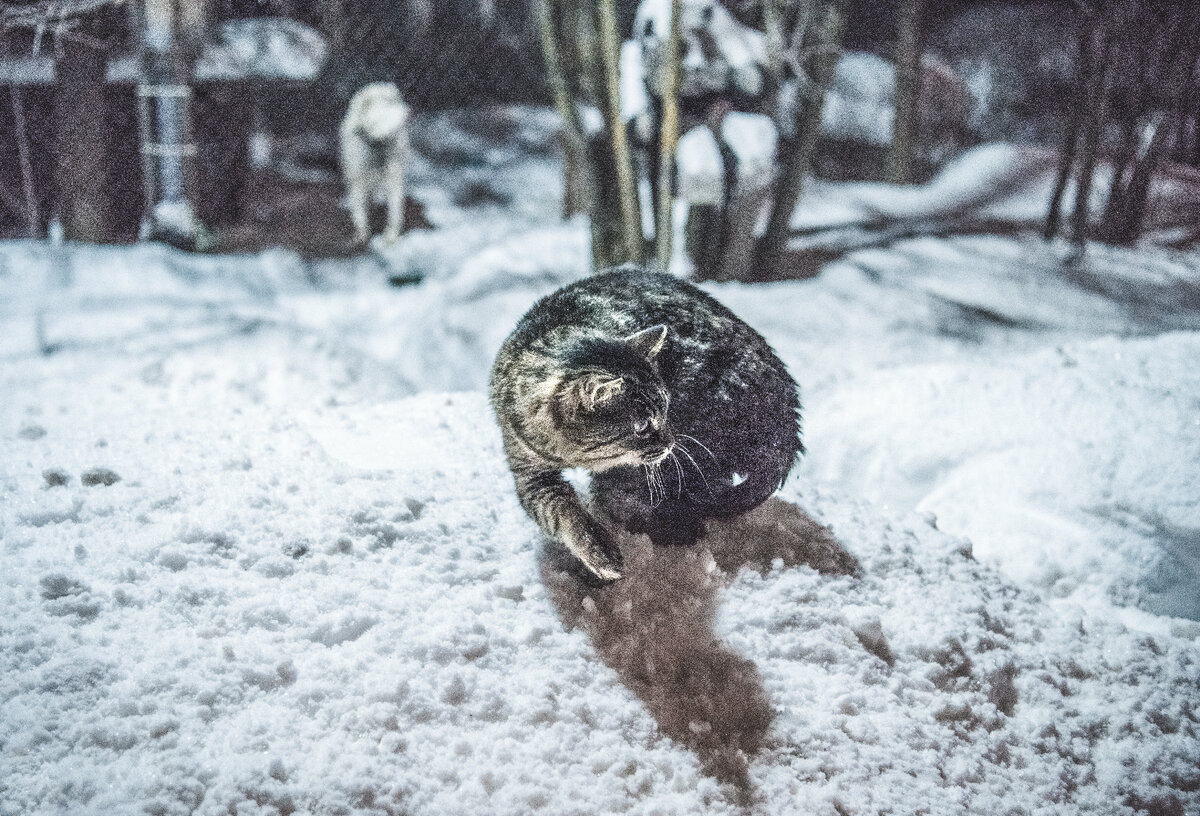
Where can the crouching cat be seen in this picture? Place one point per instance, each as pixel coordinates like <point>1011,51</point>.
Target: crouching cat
<point>680,410</point>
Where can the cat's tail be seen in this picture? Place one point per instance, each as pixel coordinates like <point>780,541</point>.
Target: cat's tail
<point>736,493</point>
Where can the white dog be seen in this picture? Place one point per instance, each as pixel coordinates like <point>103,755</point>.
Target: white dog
<point>374,140</point>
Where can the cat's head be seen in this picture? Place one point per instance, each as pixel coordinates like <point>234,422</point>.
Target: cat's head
<point>611,404</point>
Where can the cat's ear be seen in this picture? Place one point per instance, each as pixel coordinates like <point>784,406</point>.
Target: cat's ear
<point>591,390</point>
<point>648,342</point>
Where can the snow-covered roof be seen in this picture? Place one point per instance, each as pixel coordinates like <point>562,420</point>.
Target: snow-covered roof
<point>255,48</point>
<point>263,47</point>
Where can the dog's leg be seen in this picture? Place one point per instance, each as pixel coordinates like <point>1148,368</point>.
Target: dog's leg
<point>360,208</point>
<point>395,200</point>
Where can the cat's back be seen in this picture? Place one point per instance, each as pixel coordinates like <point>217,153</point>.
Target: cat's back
<point>620,301</point>
<point>706,339</point>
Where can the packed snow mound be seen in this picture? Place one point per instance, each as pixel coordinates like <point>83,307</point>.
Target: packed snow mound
<point>991,184</point>
<point>221,602</point>
<point>1051,463</point>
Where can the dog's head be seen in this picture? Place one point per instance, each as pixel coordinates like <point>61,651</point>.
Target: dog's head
<point>378,111</point>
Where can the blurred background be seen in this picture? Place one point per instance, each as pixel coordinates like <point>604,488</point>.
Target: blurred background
<point>110,107</point>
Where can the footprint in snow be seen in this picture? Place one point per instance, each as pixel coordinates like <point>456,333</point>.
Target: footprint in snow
<point>98,476</point>
<point>31,431</point>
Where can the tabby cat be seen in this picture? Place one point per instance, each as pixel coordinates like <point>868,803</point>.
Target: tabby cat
<point>679,410</point>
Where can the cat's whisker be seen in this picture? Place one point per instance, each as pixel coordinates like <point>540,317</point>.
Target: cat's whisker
<point>652,483</point>
<point>706,450</point>
<point>656,471</point>
<point>699,470</point>
<point>678,473</point>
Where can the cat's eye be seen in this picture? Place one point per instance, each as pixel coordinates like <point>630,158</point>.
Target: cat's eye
<point>641,427</point>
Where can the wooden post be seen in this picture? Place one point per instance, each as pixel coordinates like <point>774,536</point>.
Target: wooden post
<point>190,22</point>
<point>81,143</point>
<point>669,86</point>
<point>905,122</point>
<point>172,32</point>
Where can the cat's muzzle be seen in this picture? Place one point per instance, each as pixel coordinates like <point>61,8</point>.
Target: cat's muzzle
<point>658,457</point>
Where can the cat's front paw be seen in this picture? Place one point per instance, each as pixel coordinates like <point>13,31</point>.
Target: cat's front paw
<point>594,546</point>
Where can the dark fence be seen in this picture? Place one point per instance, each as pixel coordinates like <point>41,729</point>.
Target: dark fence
<point>442,53</point>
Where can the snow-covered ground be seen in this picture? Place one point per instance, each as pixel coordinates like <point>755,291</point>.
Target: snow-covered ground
<point>260,553</point>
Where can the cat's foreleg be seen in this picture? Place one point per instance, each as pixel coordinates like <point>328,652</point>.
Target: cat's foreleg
<point>556,508</point>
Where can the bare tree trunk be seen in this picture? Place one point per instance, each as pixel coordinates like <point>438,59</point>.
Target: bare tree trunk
<point>81,143</point>
<point>774,39</point>
<point>669,86</point>
<point>902,156</point>
<point>633,242</point>
<point>825,44</point>
<point>1125,221</point>
<point>583,69</point>
<point>578,184</point>
<point>1142,77</point>
<point>1078,113</point>
<point>1097,99</point>
<point>1137,192</point>
<point>586,73</point>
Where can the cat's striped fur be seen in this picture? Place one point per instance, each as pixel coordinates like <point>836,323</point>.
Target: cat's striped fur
<point>680,410</point>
